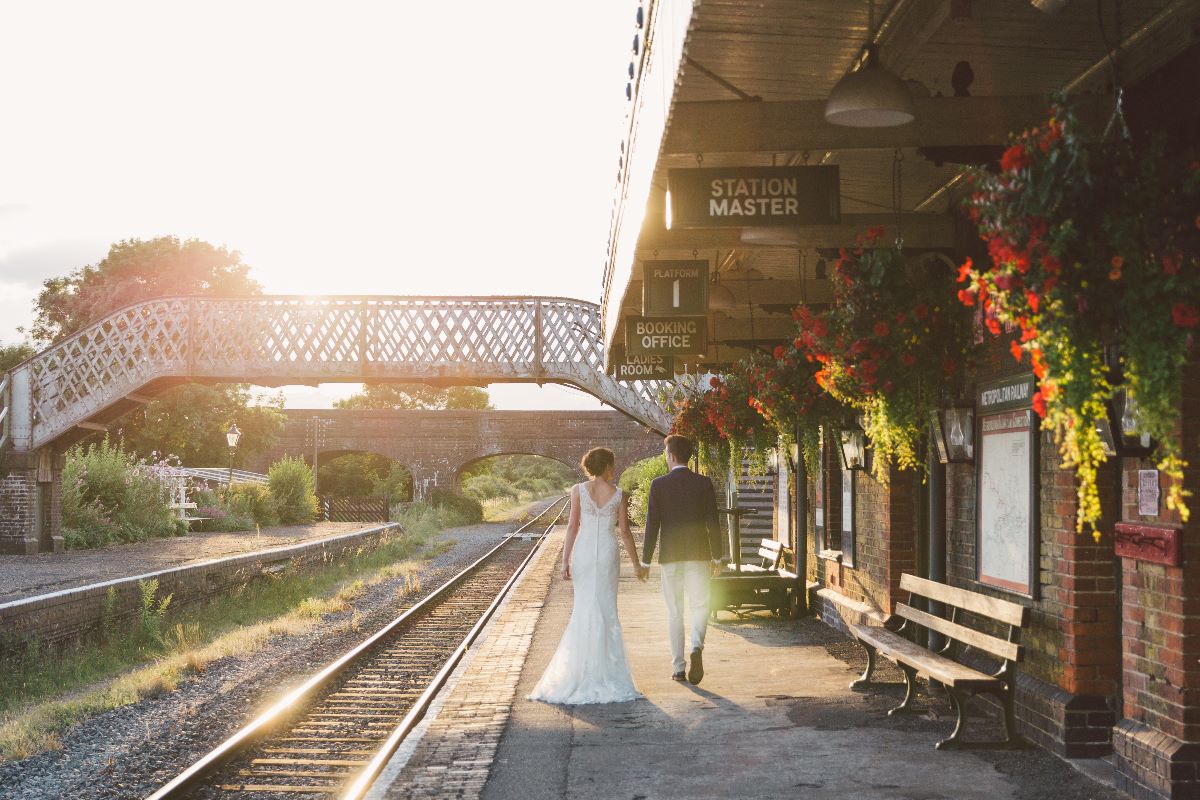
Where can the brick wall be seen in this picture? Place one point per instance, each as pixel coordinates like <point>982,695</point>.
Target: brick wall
<point>1157,745</point>
<point>31,502</point>
<point>436,445</point>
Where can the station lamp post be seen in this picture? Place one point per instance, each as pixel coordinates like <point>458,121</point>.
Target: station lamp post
<point>231,438</point>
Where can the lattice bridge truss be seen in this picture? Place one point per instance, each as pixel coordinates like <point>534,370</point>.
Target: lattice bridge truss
<point>92,377</point>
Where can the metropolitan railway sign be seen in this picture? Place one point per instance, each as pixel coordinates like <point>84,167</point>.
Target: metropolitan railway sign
<point>724,197</point>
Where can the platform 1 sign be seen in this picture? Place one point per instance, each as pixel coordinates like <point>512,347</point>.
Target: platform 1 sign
<point>752,197</point>
<point>674,288</point>
<point>665,336</point>
<point>645,368</point>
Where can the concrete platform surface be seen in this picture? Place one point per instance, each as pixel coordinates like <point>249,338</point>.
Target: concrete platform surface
<point>773,718</point>
<point>29,575</point>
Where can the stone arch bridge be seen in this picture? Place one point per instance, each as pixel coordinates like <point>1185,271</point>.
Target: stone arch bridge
<point>88,380</point>
<point>437,445</point>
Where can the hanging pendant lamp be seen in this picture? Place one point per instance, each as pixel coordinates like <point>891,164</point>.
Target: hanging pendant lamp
<point>870,97</point>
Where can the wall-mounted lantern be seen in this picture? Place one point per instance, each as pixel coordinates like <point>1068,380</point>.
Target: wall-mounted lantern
<point>1123,417</point>
<point>954,434</point>
<point>854,449</point>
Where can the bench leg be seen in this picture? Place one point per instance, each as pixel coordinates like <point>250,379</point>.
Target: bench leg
<point>960,708</point>
<point>865,680</point>
<point>910,690</point>
<point>1011,737</point>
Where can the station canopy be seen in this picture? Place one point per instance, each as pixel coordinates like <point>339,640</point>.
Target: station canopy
<point>729,84</point>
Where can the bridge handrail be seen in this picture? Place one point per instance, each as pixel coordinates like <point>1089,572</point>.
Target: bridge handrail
<point>350,337</point>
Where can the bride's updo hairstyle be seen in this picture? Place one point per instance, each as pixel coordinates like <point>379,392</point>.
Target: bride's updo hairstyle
<point>597,461</point>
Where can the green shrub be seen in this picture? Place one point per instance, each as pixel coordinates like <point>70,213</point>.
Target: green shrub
<point>467,509</point>
<point>291,482</point>
<point>486,486</point>
<point>255,501</point>
<point>110,496</point>
<point>635,481</point>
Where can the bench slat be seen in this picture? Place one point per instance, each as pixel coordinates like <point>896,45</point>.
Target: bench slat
<point>997,647</point>
<point>926,662</point>
<point>774,545</point>
<point>993,607</point>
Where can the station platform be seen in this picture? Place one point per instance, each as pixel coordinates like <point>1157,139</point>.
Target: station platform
<point>772,718</point>
<point>23,576</point>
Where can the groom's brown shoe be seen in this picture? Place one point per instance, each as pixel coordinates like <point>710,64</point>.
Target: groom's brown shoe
<point>678,676</point>
<point>696,671</point>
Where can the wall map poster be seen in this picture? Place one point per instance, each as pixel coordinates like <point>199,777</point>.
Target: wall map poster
<point>1005,500</point>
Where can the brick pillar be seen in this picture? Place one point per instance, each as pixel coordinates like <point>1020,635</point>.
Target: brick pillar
<point>1157,744</point>
<point>31,502</point>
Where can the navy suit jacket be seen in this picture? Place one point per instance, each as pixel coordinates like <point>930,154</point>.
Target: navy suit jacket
<point>683,514</point>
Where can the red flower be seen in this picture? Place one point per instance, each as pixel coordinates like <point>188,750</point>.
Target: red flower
<point>964,271</point>
<point>778,352</point>
<point>992,325</point>
<point>1015,158</point>
<point>798,343</point>
<point>1033,300</point>
<point>1052,264</point>
<point>714,382</point>
<point>966,297</point>
<point>1172,262</point>
<point>1039,403</point>
<point>1005,281</point>
<point>881,329</point>
<point>901,318</point>
<point>921,311</point>
<point>1185,315</point>
<point>908,359</point>
<point>1017,352</point>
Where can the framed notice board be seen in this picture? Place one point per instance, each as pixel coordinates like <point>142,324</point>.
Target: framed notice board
<point>848,529</point>
<point>1006,491</point>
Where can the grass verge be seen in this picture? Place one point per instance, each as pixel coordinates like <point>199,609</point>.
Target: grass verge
<point>43,692</point>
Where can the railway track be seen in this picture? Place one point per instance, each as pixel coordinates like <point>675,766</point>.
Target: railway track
<point>332,735</point>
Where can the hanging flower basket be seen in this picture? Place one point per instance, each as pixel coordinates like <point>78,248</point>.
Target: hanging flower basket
<point>891,346</point>
<point>1094,247</point>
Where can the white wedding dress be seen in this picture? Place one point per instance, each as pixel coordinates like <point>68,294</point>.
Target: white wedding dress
<point>589,665</point>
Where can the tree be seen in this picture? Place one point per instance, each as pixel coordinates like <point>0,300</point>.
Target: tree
<point>13,354</point>
<point>401,396</point>
<point>134,270</point>
<point>190,421</point>
<point>359,474</point>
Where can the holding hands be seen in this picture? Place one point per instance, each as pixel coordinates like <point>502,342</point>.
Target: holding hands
<point>643,571</point>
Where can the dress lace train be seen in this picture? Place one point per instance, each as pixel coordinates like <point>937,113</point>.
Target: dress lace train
<point>590,665</point>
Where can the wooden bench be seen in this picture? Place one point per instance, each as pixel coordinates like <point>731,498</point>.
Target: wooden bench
<point>765,586</point>
<point>940,666</point>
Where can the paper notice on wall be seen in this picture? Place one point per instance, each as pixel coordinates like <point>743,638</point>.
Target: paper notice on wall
<point>1148,492</point>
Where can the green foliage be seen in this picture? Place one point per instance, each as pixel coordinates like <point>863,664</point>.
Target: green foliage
<point>253,501</point>
<point>13,354</point>
<point>136,270</point>
<point>361,474</point>
<point>291,482</point>
<point>466,509</point>
<point>393,396</point>
<point>189,422</point>
<point>423,518</point>
<point>110,496</point>
<point>635,481</point>
<point>516,477</point>
<point>151,611</point>
<point>1094,246</point>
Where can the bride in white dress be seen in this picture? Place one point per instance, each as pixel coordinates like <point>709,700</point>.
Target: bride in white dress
<point>589,665</point>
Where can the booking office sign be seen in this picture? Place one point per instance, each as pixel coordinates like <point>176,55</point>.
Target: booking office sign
<point>674,308</point>
<point>1006,505</point>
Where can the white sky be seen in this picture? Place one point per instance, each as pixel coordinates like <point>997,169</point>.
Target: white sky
<point>374,148</point>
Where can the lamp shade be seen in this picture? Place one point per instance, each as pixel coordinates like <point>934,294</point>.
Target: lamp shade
<point>854,449</point>
<point>872,97</point>
<point>232,435</point>
<point>720,298</point>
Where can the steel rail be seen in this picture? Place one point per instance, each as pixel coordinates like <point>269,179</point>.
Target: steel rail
<point>366,778</point>
<point>295,700</point>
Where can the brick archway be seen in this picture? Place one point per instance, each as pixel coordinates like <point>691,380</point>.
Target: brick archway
<point>436,445</point>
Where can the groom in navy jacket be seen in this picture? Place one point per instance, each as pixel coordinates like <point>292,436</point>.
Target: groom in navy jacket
<point>683,513</point>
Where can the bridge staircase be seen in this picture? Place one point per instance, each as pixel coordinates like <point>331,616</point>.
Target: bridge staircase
<point>756,491</point>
